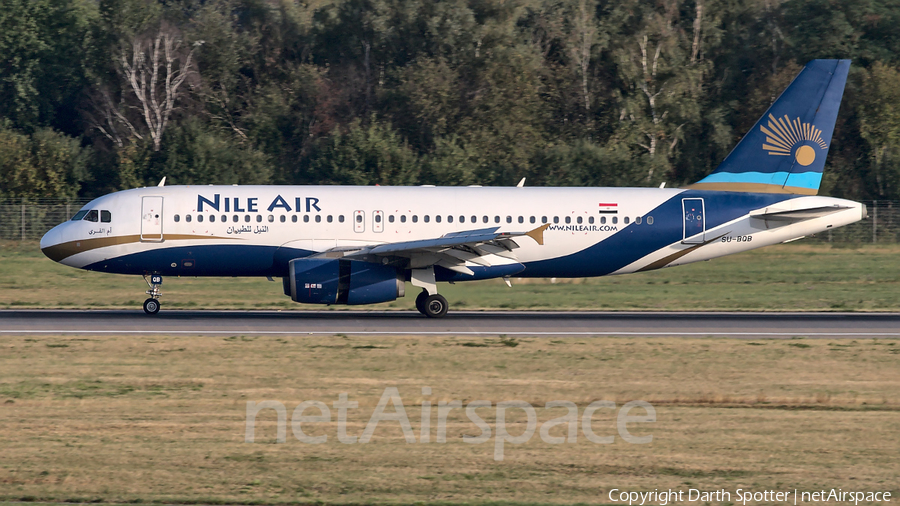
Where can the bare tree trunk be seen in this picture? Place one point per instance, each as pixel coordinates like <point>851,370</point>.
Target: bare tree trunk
<point>648,85</point>
<point>585,32</point>
<point>367,47</point>
<point>695,47</point>
<point>154,72</point>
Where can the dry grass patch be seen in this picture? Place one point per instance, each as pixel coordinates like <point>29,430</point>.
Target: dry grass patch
<point>138,418</point>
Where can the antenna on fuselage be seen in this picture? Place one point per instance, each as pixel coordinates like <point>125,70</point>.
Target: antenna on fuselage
<point>162,182</point>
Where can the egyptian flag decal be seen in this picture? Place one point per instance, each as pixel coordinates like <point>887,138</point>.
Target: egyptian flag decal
<point>607,208</point>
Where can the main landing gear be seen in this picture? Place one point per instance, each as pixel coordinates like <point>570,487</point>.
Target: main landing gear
<point>432,306</point>
<point>429,302</point>
<point>151,305</point>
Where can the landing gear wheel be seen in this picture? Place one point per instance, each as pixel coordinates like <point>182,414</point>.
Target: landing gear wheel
<point>420,301</point>
<point>435,306</point>
<point>151,306</point>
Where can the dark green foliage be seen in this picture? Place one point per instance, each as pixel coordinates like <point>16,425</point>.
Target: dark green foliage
<point>44,165</point>
<point>563,92</point>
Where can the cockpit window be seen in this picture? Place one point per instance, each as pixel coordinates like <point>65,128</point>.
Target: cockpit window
<point>79,215</point>
<point>92,215</point>
<point>105,216</point>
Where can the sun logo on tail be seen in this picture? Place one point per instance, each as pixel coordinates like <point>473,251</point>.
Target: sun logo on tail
<point>783,135</point>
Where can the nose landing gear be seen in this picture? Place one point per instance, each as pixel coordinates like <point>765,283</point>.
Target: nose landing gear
<point>151,305</point>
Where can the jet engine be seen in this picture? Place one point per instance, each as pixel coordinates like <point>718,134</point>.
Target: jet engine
<point>340,281</point>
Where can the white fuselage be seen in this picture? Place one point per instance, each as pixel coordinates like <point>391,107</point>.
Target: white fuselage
<point>242,230</point>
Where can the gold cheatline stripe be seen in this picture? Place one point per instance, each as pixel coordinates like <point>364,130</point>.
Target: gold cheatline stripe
<point>752,188</point>
<point>662,262</point>
<point>61,251</point>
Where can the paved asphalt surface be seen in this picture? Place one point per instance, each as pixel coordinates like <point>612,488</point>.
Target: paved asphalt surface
<point>736,325</point>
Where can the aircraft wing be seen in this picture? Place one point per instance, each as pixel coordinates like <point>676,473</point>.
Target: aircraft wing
<point>485,247</point>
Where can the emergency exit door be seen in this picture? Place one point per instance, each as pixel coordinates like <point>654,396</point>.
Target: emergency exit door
<point>359,221</point>
<point>694,221</point>
<point>377,221</point>
<point>151,219</point>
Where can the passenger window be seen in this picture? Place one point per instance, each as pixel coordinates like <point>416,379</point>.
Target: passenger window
<point>627,220</point>
<point>212,218</point>
<point>305,218</point>
<point>496,219</point>
<point>177,218</point>
<point>484,219</point>
<point>568,220</point>
<point>105,216</point>
<point>543,219</point>
<point>391,218</point>
<point>615,220</point>
<point>556,219</point>
<point>450,219</point>
<point>415,218</point>
<point>377,218</point>
<point>200,218</point>
<point>329,219</point>
<point>319,218</point>
<point>79,215</point>
<point>521,219</point>
<point>462,219</point>
<point>603,220</point>
<point>359,218</point>
<point>187,218</point>
<point>294,219</point>
<point>474,219</point>
<point>402,218</point>
<point>427,219</point>
<point>341,218</point>
<point>437,219</point>
<point>258,218</point>
<point>649,220</point>
<point>271,218</point>
<point>591,220</point>
<point>637,220</point>
<point>579,220</point>
<point>282,218</point>
<point>247,218</point>
<point>92,216</point>
<point>509,219</point>
<point>532,220</point>
<point>235,218</point>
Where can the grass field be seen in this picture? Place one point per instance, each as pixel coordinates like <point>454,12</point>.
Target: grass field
<point>162,419</point>
<point>804,277</point>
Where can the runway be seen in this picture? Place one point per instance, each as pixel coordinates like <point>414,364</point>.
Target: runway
<point>472,323</point>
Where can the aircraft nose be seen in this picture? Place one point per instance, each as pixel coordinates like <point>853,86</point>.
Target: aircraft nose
<point>50,243</point>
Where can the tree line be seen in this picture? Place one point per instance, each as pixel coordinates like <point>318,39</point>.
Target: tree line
<point>102,95</point>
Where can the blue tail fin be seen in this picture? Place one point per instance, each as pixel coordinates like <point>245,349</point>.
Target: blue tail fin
<point>786,149</point>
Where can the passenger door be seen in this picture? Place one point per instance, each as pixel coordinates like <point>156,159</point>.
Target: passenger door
<point>151,219</point>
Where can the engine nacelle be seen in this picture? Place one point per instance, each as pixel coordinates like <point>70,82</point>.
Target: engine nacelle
<point>339,281</point>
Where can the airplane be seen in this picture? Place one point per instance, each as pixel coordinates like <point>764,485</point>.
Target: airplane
<point>360,245</point>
